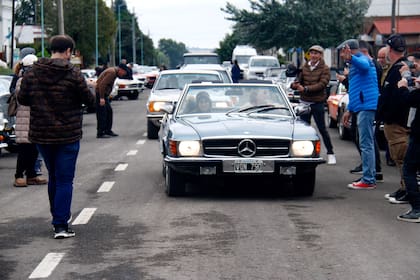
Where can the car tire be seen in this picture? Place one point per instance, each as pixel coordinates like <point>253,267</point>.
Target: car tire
<point>343,132</point>
<point>133,96</point>
<point>152,130</point>
<point>332,123</point>
<point>304,183</point>
<point>174,182</point>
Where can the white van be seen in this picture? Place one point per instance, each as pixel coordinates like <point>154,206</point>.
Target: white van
<point>258,65</point>
<point>242,53</point>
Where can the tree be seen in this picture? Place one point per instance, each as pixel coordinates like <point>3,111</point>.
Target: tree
<point>173,50</point>
<point>226,46</point>
<point>298,23</point>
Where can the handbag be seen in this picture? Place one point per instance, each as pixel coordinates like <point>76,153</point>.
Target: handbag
<point>12,108</point>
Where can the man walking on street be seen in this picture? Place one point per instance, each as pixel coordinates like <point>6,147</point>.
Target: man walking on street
<point>55,91</point>
<point>393,110</point>
<point>104,113</point>
<point>363,100</point>
<point>311,84</point>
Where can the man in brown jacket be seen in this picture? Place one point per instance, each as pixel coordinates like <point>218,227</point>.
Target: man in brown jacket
<point>311,83</point>
<point>104,113</point>
<point>55,91</point>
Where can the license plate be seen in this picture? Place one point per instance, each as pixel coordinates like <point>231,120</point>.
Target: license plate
<point>248,166</point>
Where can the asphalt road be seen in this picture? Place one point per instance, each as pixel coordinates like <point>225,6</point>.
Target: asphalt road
<point>236,230</point>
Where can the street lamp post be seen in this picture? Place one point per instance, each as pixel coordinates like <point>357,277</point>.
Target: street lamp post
<point>96,33</point>
<point>119,32</point>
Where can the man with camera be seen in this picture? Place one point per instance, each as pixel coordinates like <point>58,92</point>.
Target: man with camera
<point>411,94</point>
<point>393,110</point>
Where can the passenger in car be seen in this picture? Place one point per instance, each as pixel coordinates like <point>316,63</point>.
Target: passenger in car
<point>203,102</point>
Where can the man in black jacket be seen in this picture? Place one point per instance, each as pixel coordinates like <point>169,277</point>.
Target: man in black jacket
<point>412,157</point>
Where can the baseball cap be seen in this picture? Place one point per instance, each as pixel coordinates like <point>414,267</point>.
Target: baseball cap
<point>29,60</point>
<point>25,51</point>
<point>396,42</point>
<point>352,43</point>
<point>123,67</point>
<point>317,48</point>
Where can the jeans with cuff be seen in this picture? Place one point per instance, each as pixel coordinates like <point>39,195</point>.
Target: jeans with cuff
<point>60,160</point>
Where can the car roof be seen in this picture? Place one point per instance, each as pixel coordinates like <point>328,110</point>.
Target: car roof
<point>201,54</point>
<point>217,67</point>
<point>192,71</point>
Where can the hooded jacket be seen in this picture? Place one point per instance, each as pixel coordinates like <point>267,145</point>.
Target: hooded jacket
<point>392,107</point>
<point>55,92</point>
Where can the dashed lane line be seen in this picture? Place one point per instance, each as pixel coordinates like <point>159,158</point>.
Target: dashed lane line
<point>121,167</point>
<point>141,142</point>
<point>132,153</point>
<point>84,216</point>
<point>106,186</point>
<point>47,265</point>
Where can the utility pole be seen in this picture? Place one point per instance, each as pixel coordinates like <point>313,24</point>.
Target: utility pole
<point>12,35</point>
<point>96,33</point>
<point>133,37</point>
<point>60,17</point>
<point>393,29</point>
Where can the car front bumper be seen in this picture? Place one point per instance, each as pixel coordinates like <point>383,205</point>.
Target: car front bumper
<point>232,166</point>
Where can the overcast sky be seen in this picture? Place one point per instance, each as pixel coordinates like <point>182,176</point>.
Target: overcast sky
<point>196,23</point>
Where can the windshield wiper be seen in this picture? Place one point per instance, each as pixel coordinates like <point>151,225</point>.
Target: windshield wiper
<point>244,109</point>
<point>269,108</point>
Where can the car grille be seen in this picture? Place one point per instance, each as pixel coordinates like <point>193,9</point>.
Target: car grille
<point>229,147</point>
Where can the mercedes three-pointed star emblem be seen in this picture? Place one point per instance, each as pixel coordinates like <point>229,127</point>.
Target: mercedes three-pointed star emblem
<point>247,148</point>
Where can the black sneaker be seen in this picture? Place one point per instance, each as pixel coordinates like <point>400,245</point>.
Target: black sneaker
<point>379,177</point>
<point>400,198</point>
<point>357,170</point>
<point>103,136</point>
<point>412,216</point>
<point>398,192</point>
<point>111,133</point>
<point>61,233</point>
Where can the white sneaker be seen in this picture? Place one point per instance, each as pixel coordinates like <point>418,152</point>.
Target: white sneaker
<point>331,159</point>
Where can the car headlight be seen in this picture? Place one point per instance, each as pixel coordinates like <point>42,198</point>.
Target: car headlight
<point>302,148</point>
<point>156,106</point>
<point>185,148</point>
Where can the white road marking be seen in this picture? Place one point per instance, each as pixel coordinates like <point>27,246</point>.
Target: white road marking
<point>106,186</point>
<point>84,216</point>
<point>141,142</point>
<point>132,153</point>
<point>121,167</point>
<point>47,265</point>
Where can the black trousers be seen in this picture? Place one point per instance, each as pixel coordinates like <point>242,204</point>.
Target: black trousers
<point>25,165</point>
<point>104,116</point>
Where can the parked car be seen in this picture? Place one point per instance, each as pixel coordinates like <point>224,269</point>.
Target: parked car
<point>145,74</point>
<point>89,73</point>
<point>167,90</point>
<point>337,106</point>
<point>251,130</point>
<point>226,76</point>
<point>257,66</point>
<point>201,58</point>
<point>7,132</point>
<point>128,88</point>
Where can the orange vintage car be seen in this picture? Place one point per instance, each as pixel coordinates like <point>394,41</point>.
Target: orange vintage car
<point>337,105</point>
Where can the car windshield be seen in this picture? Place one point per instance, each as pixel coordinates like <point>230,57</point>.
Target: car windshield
<point>243,59</point>
<point>201,59</point>
<point>249,99</point>
<point>179,80</point>
<point>264,62</point>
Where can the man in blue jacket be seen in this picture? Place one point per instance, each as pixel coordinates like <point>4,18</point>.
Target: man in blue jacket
<point>363,101</point>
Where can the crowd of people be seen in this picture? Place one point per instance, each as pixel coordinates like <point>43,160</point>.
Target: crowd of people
<point>386,89</point>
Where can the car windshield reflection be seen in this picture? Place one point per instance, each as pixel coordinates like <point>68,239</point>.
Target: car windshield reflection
<point>259,99</point>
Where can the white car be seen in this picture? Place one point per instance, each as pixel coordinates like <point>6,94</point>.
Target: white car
<point>226,77</point>
<point>258,65</point>
<point>166,91</point>
<point>128,88</point>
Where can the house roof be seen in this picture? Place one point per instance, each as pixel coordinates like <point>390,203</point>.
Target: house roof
<point>402,25</point>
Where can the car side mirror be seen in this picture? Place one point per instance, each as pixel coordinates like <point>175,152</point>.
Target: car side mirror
<point>302,109</point>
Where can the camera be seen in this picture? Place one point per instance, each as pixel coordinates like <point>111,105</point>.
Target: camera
<point>410,64</point>
<point>409,77</point>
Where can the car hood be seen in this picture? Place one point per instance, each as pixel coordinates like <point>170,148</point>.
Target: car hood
<point>217,125</point>
<point>165,95</point>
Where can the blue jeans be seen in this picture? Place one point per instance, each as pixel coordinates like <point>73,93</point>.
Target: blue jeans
<point>366,128</point>
<point>318,111</point>
<point>410,167</point>
<point>60,160</point>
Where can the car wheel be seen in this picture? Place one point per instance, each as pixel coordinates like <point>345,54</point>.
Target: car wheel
<point>304,183</point>
<point>152,130</point>
<point>133,96</point>
<point>332,123</point>
<point>343,132</point>
<point>175,184</point>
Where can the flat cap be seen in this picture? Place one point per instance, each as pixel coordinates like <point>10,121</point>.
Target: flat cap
<point>317,48</point>
<point>25,51</point>
<point>396,42</point>
<point>352,43</point>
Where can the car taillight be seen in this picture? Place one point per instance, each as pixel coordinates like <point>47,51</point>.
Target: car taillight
<point>121,86</point>
<point>318,148</point>
<point>2,138</point>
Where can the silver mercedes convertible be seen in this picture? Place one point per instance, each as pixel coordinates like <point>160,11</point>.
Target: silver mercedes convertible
<point>217,130</point>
